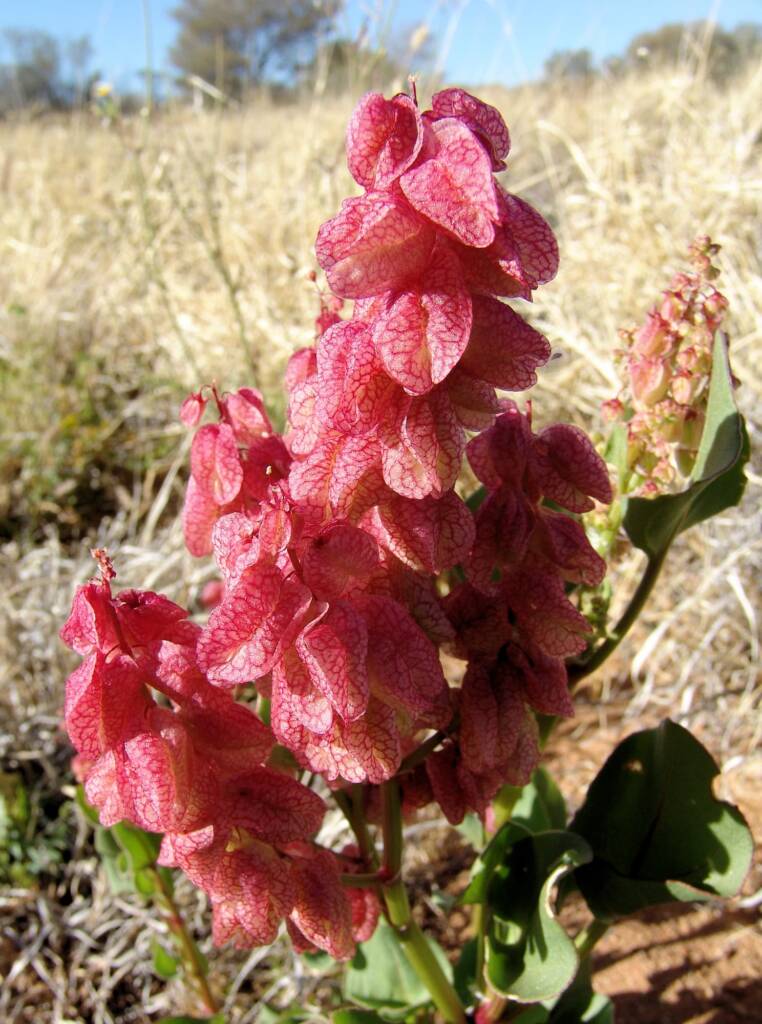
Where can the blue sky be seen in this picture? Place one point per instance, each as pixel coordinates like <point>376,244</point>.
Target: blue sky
<point>479,41</point>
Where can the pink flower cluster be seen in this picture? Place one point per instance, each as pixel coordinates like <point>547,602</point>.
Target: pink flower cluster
<point>669,362</point>
<point>163,748</point>
<point>348,561</point>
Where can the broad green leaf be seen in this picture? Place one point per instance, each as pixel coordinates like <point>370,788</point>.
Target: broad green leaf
<point>216,1019</point>
<point>718,479</point>
<point>292,1015</point>
<point>532,1015</point>
<point>657,831</point>
<point>351,1016</point>
<point>490,859</point>
<point>529,956</point>
<point>579,1004</point>
<point>164,964</point>
<point>380,977</point>
<point>539,806</point>
<point>105,844</point>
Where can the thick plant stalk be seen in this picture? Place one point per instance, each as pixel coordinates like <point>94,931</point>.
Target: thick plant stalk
<point>412,940</point>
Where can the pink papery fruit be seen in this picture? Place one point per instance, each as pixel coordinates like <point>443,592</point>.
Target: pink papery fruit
<point>403,665</point>
<point>334,647</point>
<point>422,446</point>
<point>247,415</point>
<point>503,349</point>
<point>322,912</point>
<point>452,184</point>
<point>568,468</point>
<point>544,614</point>
<point>350,388</point>
<point>523,255</point>
<point>106,703</point>
<point>383,139</point>
<point>339,558</point>
<point>422,331</point>
<point>485,121</point>
<point>273,807</point>
<point>374,244</point>
<point>215,462</point>
<point>257,620</point>
<point>430,534</point>
<point>251,891</point>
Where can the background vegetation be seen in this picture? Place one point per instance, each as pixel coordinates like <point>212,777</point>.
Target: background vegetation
<point>144,255</point>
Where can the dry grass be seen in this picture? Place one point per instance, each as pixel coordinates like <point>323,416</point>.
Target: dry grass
<point>140,259</point>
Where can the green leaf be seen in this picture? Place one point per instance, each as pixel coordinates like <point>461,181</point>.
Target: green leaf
<point>464,973</point>
<point>380,977</point>
<point>291,1015</point>
<point>475,499</point>
<point>319,961</point>
<point>87,809</point>
<point>490,860</point>
<point>352,1016</point>
<point>579,1004</point>
<point>472,829</point>
<point>216,1019</point>
<point>540,805</point>
<point>533,1015</point>
<point>145,882</point>
<point>529,956</point>
<point>615,453</point>
<point>718,478</point>
<point>657,831</point>
<point>164,964</point>
<point>114,862</point>
<point>141,848</point>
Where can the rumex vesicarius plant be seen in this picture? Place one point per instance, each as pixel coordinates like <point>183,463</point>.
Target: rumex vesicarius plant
<point>349,562</point>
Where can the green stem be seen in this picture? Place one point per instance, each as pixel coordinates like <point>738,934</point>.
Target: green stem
<point>480,920</point>
<point>419,953</point>
<point>352,807</point>
<point>588,937</point>
<point>391,824</point>
<point>189,951</point>
<point>370,880</point>
<point>631,613</point>
<point>364,841</point>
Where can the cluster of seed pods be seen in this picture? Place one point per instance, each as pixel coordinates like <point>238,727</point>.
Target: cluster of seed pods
<point>668,364</point>
<point>348,561</point>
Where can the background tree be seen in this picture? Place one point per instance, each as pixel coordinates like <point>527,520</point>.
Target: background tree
<point>356,65</point>
<point>576,64</point>
<point>234,44</point>
<point>44,71</point>
<point>725,52</point>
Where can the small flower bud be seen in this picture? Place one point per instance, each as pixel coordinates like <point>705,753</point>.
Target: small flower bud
<point>612,410</point>
<point>649,379</point>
